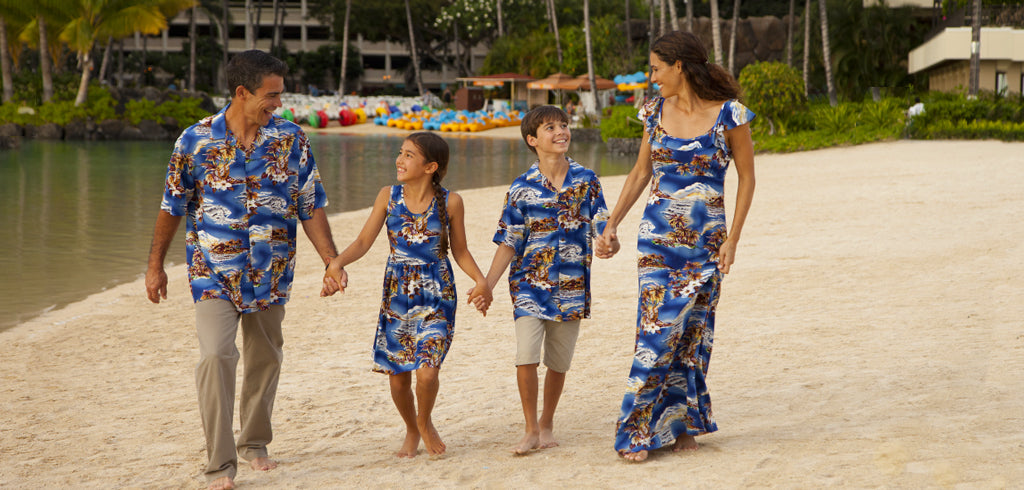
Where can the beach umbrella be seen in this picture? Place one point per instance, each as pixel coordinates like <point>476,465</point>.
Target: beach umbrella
<point>550,82</point>
<point>582,83</point>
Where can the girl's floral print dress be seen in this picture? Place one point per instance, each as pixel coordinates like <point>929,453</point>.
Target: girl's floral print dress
<point>682,228</point>
<point>417,312</point>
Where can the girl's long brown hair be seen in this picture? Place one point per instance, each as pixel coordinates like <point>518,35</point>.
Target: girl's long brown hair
<point>708,80</point>
<point>435,149</point>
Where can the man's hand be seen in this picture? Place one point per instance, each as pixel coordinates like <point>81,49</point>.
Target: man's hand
<point>156,284</point>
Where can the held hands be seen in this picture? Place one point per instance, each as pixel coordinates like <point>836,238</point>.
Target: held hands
<point>607,244</point>
<point>335,279</point>
<point>480,296</point>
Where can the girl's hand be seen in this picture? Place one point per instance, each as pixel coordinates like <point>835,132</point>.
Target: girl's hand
<point>726,255</point>
<point>335,279</point>
<point>480,296</point>
<point>607,244</point>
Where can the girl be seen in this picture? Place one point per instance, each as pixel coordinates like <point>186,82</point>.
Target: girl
<point>417,312</point>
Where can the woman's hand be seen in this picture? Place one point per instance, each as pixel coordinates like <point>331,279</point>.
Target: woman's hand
<point>335,279</point>
<point>480,296</point>
<point>726,255</point>
<point>607,244</point>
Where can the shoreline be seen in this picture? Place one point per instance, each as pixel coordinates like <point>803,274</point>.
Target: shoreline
<point>861,269</point>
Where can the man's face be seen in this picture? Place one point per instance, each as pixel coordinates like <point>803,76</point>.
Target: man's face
<point>260,106</point>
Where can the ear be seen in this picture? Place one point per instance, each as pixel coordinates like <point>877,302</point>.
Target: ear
<point>241,91</point>
<point>431,167</point>
<point>531,140</point>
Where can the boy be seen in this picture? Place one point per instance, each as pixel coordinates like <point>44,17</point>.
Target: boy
<point>546,230</point>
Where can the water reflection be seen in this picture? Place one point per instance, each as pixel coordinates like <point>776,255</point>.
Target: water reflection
<point>80,214</point>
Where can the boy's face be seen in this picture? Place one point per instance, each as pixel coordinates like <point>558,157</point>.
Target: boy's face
<point>552,136</point>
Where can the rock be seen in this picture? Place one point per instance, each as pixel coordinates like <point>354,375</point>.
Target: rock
<point>154,94</point>
<point>48,131</point>
<point>131,133</point>
<point>589,135</point>
<point>77,130</point>
<point>153,131</point>
<point>624,146</point>
<point>110,129</point>
<point>11,130</point>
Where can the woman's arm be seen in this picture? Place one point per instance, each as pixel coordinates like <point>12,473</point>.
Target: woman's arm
<point>635,184</point>
<point>480,295</point>
<point>742,147</point>
<point>335,278</point>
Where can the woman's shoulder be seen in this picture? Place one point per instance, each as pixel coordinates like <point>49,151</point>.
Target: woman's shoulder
<point>650,107</point>
<point>734,114</point>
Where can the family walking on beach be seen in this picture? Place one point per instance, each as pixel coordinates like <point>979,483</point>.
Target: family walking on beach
<point>245,178</point>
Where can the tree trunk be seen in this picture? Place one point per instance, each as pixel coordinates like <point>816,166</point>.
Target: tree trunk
<point>716,32</point>
<point>5,64</point>
<point>276,39</point>
<point>192,38</point>
<point>553,15</point>
<point>807,48</point>
<point>224,38</point>
<point>412,48</point>
<point>45,66</point>
<point>250,36</point>
<point>689,16</point>
<point>629,28</point>
<point>344,48</point>
<point>789,37</point>
<point>732,36</point>
<point>663,15</point>
<point>501,31</point>
<point>83,85</point>
<point>827,54</point>
<point>673,15</point>
<point>590,58</point>
<point>105,62</point>
<point>972,89</point>
<point>652,28</point>
<point>120,63</point>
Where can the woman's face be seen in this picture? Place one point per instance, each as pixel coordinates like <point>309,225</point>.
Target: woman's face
<point>668,77</point>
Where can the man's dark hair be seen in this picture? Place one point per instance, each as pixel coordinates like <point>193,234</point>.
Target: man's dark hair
<point>249,67</point>
<point>538,116</point>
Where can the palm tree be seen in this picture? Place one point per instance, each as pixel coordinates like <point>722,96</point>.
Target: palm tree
<point>225,28</point>
<point>501,31</point>
<point>344,47</point>
<point>732,36</point>
<point>12,20</point>
<point>827,54</point>
<point>673,15</point>
<point>92,20</point>
<point>590,57</point>
<point>663,28</point>
<point>7,77</point>
<point>250,37</point>
<point>789,37</point>
<point>553,16</point>
<point>807,48</point>
<point>972,86</point>
<point>192,37</point>
<point>716,32</point>
<point>689,15</point>
<point>412,48</point>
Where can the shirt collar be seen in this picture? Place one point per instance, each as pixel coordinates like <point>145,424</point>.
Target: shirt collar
<point>219,124</point>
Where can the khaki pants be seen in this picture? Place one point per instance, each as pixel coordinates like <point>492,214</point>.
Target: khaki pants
<point>216,326</point>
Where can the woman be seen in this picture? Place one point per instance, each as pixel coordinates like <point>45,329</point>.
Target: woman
<point>692,132</point>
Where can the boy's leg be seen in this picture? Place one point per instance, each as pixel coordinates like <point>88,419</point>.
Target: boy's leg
<point>529,337</point>
<point>401,394</point>
<point>262,352</point>
<point>559,346</point>
<point>427,384</point>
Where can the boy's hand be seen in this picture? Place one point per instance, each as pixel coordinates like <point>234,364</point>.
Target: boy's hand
<point>480,296</point>
<point>335,279</point>
<point>607,244</point>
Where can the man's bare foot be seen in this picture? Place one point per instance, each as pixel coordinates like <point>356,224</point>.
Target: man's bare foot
<point>222,483</point>
<point>262,464</point>
<point>685,442</point>
<point>411,445</point>
<point>527,444</point>
<point>547,439</point>
<point>635,457</point>
<point>432,440</point>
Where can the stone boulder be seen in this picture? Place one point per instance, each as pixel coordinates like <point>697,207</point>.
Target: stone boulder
<point>110,129</point>
<point>131,133</point>
<point>48,131</point>
<point>80,130</point>
<point>153,131</point>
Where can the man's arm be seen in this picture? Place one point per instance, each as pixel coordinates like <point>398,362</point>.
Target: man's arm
<point>319,232</point>
<point>163,233</point>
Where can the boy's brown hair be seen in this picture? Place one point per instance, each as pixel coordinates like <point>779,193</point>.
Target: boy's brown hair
<point>538,116</point>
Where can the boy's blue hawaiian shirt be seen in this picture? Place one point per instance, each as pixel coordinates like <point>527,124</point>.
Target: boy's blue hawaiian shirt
<point>242,208</point>
<point>552,232</point>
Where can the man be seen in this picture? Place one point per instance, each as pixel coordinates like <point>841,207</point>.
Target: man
<point>244,177</point>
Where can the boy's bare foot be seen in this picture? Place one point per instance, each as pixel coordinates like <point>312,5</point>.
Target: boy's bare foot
<point>685,442</point>
<point>222,483</point>
<point>262,464</point>
<point>635,457</point>
<point>432,440</point>
<point>411,445</point>
<point>527,444</point>
<point>547,439</point>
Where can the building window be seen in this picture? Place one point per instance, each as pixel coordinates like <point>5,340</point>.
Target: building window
<point>1001,84</point>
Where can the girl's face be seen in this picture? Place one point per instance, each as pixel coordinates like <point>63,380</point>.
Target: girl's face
<point>411,164</point>
<point>668,77</point>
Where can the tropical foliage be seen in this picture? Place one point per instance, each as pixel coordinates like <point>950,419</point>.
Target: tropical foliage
<point>774,91</point>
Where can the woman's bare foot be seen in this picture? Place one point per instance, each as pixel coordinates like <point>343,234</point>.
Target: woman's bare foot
<point>432,440</point>
<point>685,442</point>
<point>222,483</point>
<point>411,445</point>
<point>262,464</point>
<point>529,442</point>
<point>635,457</point>
<point>547,439</point>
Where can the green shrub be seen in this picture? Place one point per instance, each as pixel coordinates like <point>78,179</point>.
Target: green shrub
<point>622,123</point>
<point>775,91</point>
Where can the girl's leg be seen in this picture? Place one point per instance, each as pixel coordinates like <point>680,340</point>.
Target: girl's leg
<point>427,384</point>
<point>401,394</point>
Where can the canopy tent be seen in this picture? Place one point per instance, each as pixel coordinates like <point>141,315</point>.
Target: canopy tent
<point>550,82</point>
<point>516,81</point>
<point>582,82</point>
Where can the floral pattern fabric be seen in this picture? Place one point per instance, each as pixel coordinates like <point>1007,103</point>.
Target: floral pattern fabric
<point>417,312</point>
<point>242,207</point>
<point>682,228</point>
<point>552,231</point>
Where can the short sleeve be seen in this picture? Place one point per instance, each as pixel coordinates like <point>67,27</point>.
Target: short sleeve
<point>598,209</point>
<point>311,190</point>
<point>179,184</point>
<point>736,114</point>
<point>511,226</point>
<point>648,114</point>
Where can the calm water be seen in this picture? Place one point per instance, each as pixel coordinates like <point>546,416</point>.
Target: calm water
<point>79,215</point>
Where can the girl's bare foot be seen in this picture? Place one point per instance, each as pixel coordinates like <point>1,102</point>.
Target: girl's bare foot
<point>685,442</point>
<point>432,440</point>
<point>262,464</point>
<point>547,439</point>
<point>635,457</point>
<point>222,483</point>
<point>529,442</point>
<point>411,445</point>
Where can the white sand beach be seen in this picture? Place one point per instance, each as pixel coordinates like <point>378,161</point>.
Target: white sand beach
<point>869,336</point>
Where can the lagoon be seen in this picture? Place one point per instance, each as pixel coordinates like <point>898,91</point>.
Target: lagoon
<point>78,216</point>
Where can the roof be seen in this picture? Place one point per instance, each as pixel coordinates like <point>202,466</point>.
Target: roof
<point>499,77</point>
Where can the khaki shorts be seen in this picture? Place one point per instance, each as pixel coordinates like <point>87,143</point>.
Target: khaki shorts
<point>559,339</point>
